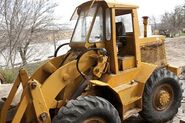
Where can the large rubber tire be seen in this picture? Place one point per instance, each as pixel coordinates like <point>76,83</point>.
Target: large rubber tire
<point>159,78</point>
<point>86,107</point>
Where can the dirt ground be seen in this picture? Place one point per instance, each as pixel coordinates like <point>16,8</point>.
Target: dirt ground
<point>175,49</point>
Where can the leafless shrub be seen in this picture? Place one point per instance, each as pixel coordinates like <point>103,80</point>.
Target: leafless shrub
<point>173,22</point>
<point>21,22</point>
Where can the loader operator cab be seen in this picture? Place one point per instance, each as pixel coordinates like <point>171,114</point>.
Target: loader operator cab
<point>107,25</point>
<point>89,27</point>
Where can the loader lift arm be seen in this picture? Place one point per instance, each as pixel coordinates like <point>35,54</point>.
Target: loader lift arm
<point>35,93</point>
<point>21,78</point>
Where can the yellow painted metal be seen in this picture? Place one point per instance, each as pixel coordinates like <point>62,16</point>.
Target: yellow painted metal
<point>127,62</point>
<point>21,107</point>
<point>114,4</point>
<point>111,47</point>
<point>40,105</point>
<point>151,40</point>
<point>100,67</point>
<point>99,83</point>
<point>21,78</point>
<point>136,31</point>
<point>163,97</point>
<point>6,105</point>
<point>145,72</point>
<point>129,85</point>
<point>61,78</point>
<point>49,68</point>
<point>174,69</point>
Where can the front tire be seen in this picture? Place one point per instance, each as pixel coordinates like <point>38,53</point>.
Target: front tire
<point>86,109</point>
<point>162,97</point>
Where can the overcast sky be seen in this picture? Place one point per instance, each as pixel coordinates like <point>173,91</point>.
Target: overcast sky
<point>146,7</point>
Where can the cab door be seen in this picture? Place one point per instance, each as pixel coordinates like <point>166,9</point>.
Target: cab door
<point>125,39</point>
<point>123,43</point>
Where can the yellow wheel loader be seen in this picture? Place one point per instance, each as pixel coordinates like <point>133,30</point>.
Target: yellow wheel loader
<point>110,73</point>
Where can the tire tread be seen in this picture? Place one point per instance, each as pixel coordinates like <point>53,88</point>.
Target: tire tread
<point>76,108</point>
<point>154,80</point>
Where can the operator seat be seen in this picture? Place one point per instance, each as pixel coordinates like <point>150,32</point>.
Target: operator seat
<point>120,29</point>
<point>120,33</point>
<point>120,36</point>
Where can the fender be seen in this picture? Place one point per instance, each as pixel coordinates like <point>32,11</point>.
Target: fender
<point>106,91</point>
<point>174,69</point>
<point>145,71</point>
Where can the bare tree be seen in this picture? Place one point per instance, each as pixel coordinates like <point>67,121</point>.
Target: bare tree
<point>154,24</point>
<point>173,22</point>
<point>22,22</point>
<point>55,35</point>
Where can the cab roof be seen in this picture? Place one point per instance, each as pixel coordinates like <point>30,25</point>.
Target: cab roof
<point>113,4</point>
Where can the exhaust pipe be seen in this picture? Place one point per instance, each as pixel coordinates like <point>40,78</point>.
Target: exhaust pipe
<point>145,22</point>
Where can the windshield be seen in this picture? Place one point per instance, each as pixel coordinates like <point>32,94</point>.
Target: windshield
<point>83,24</point>
<point>97,30</point>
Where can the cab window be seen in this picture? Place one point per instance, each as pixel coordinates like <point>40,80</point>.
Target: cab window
<point>108,24</point>
<point>97,30</point>
<point>126,21</point>
<point>84,23</point>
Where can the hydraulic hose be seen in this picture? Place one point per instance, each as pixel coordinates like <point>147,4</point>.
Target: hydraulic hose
<point>56,51</point>
<point>103,50</point>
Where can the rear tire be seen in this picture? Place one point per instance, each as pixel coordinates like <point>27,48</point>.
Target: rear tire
<point>162,97</point>
<point>86,109</point>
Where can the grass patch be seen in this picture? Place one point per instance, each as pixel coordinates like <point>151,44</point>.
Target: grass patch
<point>31,68</point>
<point>11,74</point>
<point>182,34</point>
